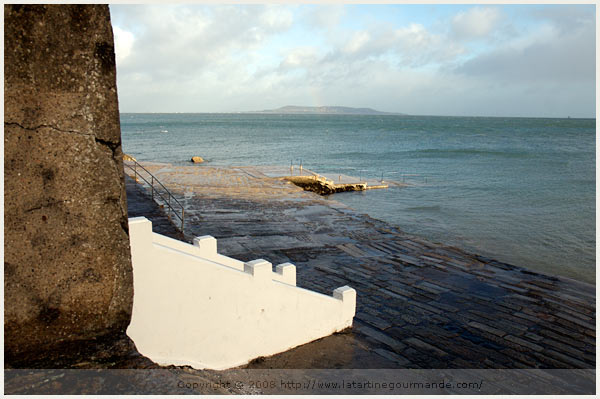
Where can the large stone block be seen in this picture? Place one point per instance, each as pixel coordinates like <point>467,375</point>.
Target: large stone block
<point>67,272</point>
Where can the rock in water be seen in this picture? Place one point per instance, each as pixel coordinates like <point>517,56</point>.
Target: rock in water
<point>323,186</point>
<point>197,160</point>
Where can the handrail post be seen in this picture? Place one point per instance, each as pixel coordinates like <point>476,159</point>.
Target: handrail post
<point>182,218</point>
<point>152,187</point>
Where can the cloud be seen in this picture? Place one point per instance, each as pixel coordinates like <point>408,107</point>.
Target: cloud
<point>565,18</point>
<point>475,23</point>
<point>325,16</point>
<point>417,46</point>
<point>357,42</point>
<point>549,71</point>
<point>548,54</point>
<point>412,45</point>
<point>276,19</point>
<point>193,58</point>
<point>123,44</point>
<point>182,39</point>
<point>300,57</point>
<point>184,50</point>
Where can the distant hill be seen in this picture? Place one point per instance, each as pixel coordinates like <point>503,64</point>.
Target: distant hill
<point>291,109</point>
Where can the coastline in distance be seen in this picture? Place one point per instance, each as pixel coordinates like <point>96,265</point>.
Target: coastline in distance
<point>333,110</point>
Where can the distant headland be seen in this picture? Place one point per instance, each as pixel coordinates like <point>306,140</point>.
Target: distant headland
<point>333,110</point>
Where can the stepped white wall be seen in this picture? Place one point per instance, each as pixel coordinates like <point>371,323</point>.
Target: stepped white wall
<point>193,306</point>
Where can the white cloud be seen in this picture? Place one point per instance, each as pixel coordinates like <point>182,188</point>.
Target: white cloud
<point>277,19</point>
<point>475,23</point>
<point>417,46</point>
<point>123,43</point>
<point>357,42</point>
<point>326,16</point>
<point>181,48</point>
<point>412,45</point>
<point>300,57</point>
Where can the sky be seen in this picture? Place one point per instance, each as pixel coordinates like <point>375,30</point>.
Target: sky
<point>462,60</point>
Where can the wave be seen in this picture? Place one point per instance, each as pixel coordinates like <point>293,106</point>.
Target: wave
<point>426,208</point>
<point>460,152</point>
<point>433,153</point>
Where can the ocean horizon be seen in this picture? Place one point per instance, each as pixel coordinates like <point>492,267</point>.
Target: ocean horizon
<point>517,189</point>
<point>384,114</point>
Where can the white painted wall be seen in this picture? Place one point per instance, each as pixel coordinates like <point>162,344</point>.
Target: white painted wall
<point>193,306</point>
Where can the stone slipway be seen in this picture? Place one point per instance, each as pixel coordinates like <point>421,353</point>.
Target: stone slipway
<point>420,304</point>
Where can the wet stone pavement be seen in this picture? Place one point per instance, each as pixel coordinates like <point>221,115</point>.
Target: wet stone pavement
<point>422,307</point>
<point>139,203</point>
<point>419,304</point>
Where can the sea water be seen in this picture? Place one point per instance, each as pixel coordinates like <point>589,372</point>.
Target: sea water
<point>520,190</point>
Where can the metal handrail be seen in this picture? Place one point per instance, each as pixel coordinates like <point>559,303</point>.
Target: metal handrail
<point>153,190</point>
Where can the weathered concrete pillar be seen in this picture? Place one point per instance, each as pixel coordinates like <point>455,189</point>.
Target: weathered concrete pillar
<point>67,271</point>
